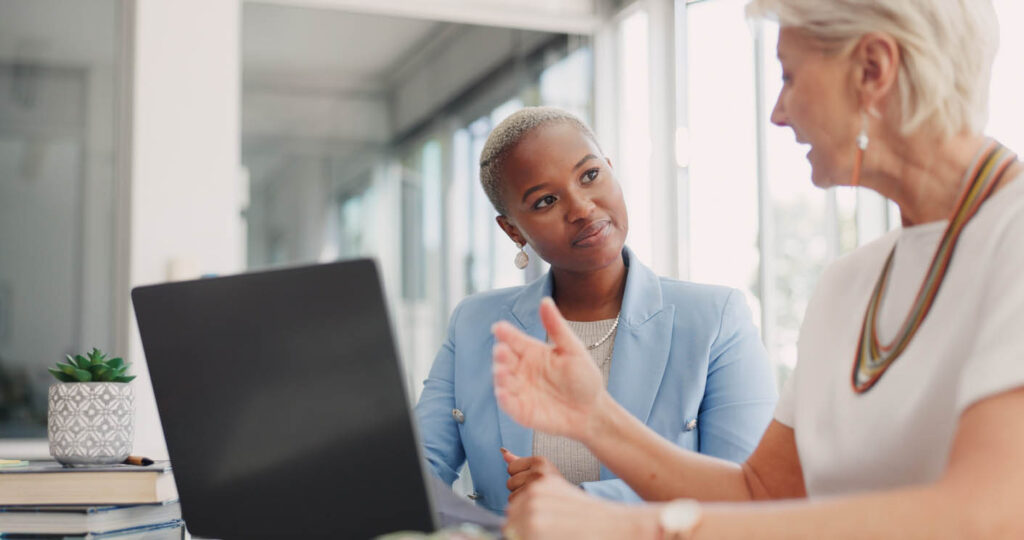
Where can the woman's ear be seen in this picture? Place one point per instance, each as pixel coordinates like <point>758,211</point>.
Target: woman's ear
<point>511,230</point>
<point>877,61</point>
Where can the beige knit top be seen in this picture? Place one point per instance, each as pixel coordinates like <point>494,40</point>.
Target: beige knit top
<point>572,459</point>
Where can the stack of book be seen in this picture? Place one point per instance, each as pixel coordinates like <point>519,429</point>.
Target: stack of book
<point>43,499</point>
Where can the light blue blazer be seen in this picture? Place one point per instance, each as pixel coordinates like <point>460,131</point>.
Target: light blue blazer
<point>687,361</point>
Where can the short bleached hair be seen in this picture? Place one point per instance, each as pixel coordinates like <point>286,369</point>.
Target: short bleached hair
<point>947,49</point>
<point>507,134</point>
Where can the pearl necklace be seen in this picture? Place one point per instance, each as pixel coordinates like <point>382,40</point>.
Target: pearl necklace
<point>606,336</point>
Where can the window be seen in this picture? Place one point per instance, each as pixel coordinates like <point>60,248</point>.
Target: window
<point>801,227</point>
<point>1006,111</point>
<point>480,220</point>
<point>633,161</point>
<point>723,208</point>
<point>568,81</point>
<point>503,250</point>
<point>756,221</point>
<point>60,195</point>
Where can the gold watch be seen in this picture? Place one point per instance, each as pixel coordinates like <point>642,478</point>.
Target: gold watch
<point>679,519</point>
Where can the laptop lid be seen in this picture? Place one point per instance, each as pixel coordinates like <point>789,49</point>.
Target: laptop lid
<point>282,404</point>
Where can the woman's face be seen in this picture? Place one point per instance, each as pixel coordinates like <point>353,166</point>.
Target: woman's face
<point>563,199</point>
<point>818,103</point>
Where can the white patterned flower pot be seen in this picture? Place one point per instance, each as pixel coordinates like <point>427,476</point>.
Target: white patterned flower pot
<point>91,423</point>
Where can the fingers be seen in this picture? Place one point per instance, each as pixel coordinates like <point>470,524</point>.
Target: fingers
<point>523,471</point>
<point>519,507</point>
<point>522,464</point>
<point>505,376</point>
<point>508,456</point>
<point>558,330</point>
<point>523,483</point>
<point>508,402</point>
<point>515,338</point>
<point>552,508</point>
<point>522,479</point>
<point>514,493</point>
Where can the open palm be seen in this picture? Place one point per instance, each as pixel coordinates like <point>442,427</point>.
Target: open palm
<point>552,388</point>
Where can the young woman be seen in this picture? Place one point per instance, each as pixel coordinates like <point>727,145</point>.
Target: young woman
<point>684,359</point>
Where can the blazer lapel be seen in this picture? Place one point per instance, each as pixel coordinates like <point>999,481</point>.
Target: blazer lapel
<point>638,362</point>
<point>642,343</point>
<point>524,314</point>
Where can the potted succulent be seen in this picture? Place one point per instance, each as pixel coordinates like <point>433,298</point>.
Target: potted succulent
<point>91,413</point>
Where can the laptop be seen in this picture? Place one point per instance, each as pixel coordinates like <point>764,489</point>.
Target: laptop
<point>283,406</point>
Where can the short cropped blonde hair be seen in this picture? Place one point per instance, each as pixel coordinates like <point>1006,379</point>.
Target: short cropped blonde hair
<point>507,134</point>
<point>947,49</point>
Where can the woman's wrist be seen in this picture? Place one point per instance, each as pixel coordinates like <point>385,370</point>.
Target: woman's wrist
<point>643,522</point>
<point>602,420</point>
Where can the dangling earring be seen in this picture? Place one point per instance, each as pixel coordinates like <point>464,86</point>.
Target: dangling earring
<point>522,259</point>
<point>862,145</point>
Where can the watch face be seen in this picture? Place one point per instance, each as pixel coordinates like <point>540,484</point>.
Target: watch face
<point>680,516</point>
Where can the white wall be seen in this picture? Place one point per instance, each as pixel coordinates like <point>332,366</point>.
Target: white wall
<point>186,188</point>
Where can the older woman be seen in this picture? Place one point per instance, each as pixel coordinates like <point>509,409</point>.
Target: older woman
<point>684,359</point>
<point>902,418</point>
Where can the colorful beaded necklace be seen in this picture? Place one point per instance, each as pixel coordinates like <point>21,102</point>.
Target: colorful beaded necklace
<point>873,358</point>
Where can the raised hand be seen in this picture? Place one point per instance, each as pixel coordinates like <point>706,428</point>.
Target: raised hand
<point>554,388</point>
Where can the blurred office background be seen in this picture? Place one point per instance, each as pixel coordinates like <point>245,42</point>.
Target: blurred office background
<point>152,140</point>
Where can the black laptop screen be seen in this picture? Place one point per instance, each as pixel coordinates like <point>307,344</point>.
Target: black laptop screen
<point>282,404</point>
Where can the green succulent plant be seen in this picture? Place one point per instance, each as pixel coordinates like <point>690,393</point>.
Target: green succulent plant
<point>95,367</point>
